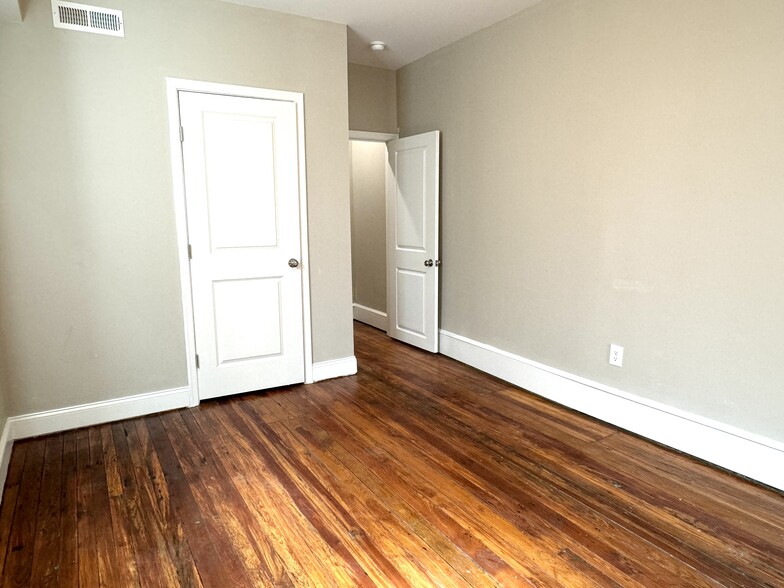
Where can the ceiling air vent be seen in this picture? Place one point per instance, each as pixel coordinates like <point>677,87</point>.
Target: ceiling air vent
<point>90,19</point>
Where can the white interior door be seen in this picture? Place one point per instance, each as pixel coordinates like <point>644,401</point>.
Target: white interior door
<point>241,173</point>
<point>412,239</point>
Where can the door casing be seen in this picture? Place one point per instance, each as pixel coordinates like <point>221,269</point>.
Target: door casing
<point>173,86</point>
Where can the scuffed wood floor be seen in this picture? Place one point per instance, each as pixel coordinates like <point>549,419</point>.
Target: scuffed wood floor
<point>418,471</point>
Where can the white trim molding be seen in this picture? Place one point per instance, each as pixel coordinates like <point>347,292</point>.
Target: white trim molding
<point>6,445</point>
<point>371,316</point>
<point>334,368</point>
<point>371,136</point>
<point>85,415</point>
<point>96,413</point>
<point>745,453</point>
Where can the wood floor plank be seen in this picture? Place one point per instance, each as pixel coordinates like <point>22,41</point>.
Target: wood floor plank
<point>261,560</point>
<point>335,456</point>
<point>418,487</point>
<point>10,496</point>
<point>68,539</point>
<point>143,537</point>
<point>281,523</point>
<point>164,532</point>
<point>489,454</point>
<point>413,557</point>
<point>595,477</point>
<point>287,518</point>
<point>333,523</point>
<point>21,544</point>
<point>217,563</point>
<point>418,471</point>
<point>428,500</point>
<point>116,567</point>
<point>289,515</point>
<point>46,559</point>
<point>753,503</point>
<point>534,553</point>
<point>86,525</point>
<point>758,544</point>
<point>536,511</point>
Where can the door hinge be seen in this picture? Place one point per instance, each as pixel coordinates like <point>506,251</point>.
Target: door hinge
<point>182,135</point>
<point>190,251</point>
<point>197,361</point>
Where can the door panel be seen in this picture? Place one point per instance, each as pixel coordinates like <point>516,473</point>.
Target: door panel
<point>240,181</point>
<point>412,239</point>
<point>253,303</point>
<point>411,314</point>
<point>411,199</point>
<point>242,200</point>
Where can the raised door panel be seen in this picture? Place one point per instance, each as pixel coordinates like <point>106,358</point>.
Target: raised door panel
<point>240,175</point>
<point>411,312</point>
<point>247,319</point>
<point>410,200</point>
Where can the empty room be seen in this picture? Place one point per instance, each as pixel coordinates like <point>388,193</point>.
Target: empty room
<point>349,293</point>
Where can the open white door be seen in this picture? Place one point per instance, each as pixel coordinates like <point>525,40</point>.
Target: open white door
<point>412,240</point>
<point>241,172</point>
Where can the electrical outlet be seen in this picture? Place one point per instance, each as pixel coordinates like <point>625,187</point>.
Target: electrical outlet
<point>616,355</point>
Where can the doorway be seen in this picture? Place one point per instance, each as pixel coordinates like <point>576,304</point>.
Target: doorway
<point>241,207</point>
<point>395,235</point>
<point>368,157</point>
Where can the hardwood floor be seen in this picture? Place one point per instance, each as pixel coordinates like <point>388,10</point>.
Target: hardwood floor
<point>418,471</point>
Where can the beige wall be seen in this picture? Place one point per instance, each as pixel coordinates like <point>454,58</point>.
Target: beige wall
<point>613,172</point>
<point>372,107</point>
<point>368,224</point>
<point>3,403</point>
<point>90,291</point>
<point>371,99</point>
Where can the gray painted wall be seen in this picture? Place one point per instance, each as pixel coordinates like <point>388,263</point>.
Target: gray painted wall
<point>89,295</point>
<point>371,99</point>
<point>372,107</point>
<point>368,224</point>
<point>612,172</point>
<point>3,410</point>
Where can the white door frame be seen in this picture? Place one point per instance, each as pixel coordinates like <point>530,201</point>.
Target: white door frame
<point>173,86</point>
<point>370,136</point>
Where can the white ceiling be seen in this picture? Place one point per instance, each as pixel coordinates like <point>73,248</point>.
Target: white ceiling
<point>410,28</point>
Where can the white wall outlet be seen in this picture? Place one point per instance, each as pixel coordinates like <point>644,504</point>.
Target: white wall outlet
<point>616,355</point>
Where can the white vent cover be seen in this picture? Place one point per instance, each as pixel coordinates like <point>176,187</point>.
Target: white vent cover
<point>90,19</point>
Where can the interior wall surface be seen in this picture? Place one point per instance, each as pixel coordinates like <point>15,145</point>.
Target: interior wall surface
<point>612,173</point>
<point>368,223</point>
<point>90,288</point>
<point>372,99</point>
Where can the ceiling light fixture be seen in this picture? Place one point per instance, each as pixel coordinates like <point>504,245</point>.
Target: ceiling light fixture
<point>378,45</point>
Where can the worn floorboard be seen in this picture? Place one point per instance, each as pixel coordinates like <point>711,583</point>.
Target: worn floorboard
<point>418,471</point>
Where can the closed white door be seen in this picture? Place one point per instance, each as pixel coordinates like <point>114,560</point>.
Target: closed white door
<point>240,158</point>
<point>412,239</point>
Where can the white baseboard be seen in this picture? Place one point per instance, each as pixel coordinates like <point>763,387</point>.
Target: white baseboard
<point>6,444</point>
<point>371,316</point>
<point>745,453</point>
<point>334,368</point>
<point>96,413</point>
